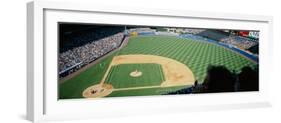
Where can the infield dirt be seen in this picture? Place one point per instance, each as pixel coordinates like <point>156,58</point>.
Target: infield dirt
<point>175,73</point>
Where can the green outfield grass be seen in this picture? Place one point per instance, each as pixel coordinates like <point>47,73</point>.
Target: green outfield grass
<point>119,75</point>
<point>197,55</point>
<point>146,91</point>
<point>74,87</point>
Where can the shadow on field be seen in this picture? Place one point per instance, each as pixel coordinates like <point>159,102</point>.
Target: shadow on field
<point>220,79</point>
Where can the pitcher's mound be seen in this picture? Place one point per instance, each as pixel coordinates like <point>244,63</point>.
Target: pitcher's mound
<point>136,73</point>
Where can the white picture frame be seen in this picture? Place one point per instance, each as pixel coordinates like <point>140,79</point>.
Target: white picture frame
<point>42,105</point>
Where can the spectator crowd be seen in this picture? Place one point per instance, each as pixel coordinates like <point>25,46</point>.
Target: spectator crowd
<point>193,31</point>
<point>239,41</point>
<point>85,54</point>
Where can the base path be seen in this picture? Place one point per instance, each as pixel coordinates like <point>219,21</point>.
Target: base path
<point>175,73</point>
<point>99,90</point>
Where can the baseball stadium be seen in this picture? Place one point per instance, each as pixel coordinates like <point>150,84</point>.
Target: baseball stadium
<point>96,61</point>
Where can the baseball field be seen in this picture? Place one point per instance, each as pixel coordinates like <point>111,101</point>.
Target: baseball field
<point>151,65</point>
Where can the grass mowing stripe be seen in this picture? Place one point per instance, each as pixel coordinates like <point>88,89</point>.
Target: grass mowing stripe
<point>147,91</point>
<point>197,55</point>
<point>120,76</point>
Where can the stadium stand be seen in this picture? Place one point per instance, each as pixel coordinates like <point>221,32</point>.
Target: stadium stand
<point>227,44</point>
<point>79,35</point>
<point>80,49</point>
<point>254,49</point>
<point>193,31</point>
<point>239,41</point>
<point>213,34</point>
<point>142,31</point>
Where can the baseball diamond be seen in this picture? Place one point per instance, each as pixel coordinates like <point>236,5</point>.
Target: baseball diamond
<point>119,75</point>
<point>164,64</point>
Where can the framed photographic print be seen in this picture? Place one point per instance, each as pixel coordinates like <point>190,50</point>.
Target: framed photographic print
<point>95,61</point>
